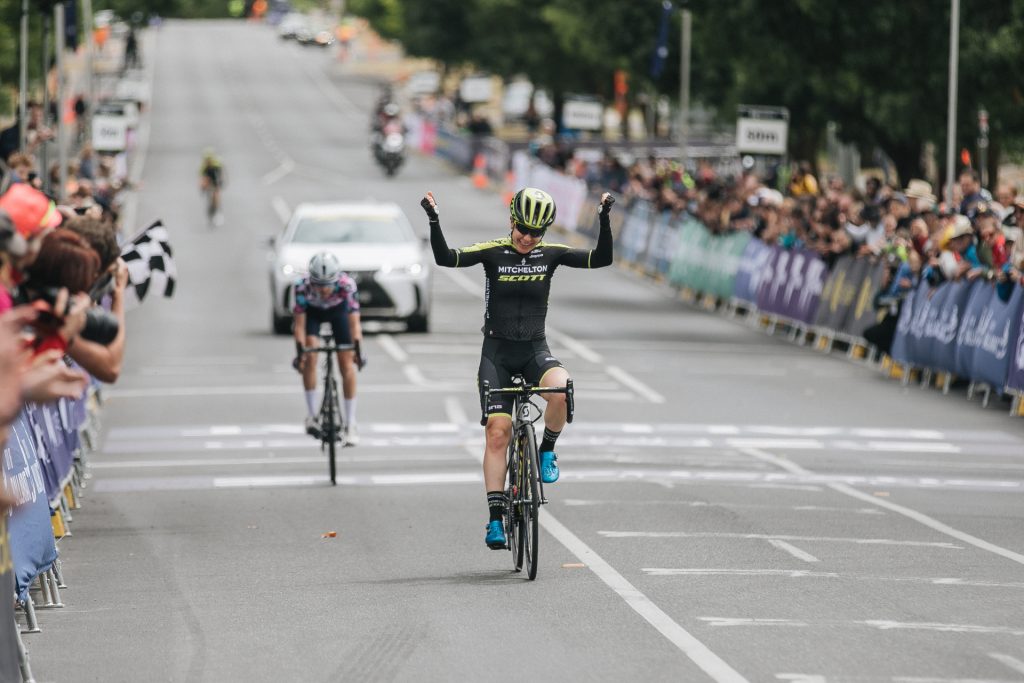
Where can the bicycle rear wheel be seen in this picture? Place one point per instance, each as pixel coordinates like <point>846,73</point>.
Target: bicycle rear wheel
<point>512,512</point>
<point>529,524</point>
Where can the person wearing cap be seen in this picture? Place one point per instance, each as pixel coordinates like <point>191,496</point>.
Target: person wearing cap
<point>959,256</point>
<point>28,216</point>
<point>919,194</point>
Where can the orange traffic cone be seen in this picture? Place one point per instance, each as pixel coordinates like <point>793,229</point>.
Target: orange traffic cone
<point>479,171</point>
<point>510,188</point>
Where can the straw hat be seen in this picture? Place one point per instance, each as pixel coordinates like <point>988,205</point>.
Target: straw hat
<point>961,227</point>
<point>920,189</point>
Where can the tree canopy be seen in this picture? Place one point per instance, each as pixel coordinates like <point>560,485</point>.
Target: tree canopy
<point>878,70</point>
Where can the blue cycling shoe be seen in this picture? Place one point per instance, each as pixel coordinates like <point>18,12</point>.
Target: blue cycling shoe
<point>548,467</point>
<point>495,538</point>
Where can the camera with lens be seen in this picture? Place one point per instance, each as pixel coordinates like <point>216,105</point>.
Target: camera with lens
<point>101,326</point>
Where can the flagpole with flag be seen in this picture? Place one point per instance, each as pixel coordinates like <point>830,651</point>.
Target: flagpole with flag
<point>150,262</point>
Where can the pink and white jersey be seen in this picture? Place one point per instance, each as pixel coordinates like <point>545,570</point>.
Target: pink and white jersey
<point>343,292</point>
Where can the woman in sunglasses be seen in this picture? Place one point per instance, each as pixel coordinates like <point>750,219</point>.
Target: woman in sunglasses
<point>518,271</point>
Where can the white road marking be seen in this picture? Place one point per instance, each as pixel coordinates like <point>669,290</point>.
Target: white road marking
<point>464,282</point>
<point>810,574</point>
<point>453,409</point>
<point>921,518</point>
<point>880,624</point>
<point>582,502</point>
<point>698,652</point>
<point>286,167</point>
<point>415,375</point>
<point>269,481</point>
<point>784,537</point>
<point>695,650</point>
<point>280,207</point>
<point>635,384</point>
<point>576,346</point>
<point>793,550</point>
<point>392,348</point>
<point>250,462</point>
<point>1008,661</point>
<point>416,479</point>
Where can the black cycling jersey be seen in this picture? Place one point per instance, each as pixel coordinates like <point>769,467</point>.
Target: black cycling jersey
<point>517,287</point>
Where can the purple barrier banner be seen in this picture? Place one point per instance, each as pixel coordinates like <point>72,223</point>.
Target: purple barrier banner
<point>50,427</point>
<point>993,337</point>
<point>942,336</point>
<point>911,305</point>
<point>964,353</point>
<point>926,326</point>
<point>792,284</point>
<point>31,535</point>
<point>1015,377</point>
<point>751,271</point>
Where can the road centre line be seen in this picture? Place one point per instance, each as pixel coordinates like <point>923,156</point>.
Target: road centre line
<point>285,167</point>
<point>392,348</point>
<point>921,518</point>
<point>415,375</point>
<point>578,502</point>
<point>793,550</point>
<point>635,384</point>
<point>811,574</point>
<point>281,208</point>
<point>1008,661</point>
<point>695,650</point>
<point>784,537</point>
<point>880,624</point>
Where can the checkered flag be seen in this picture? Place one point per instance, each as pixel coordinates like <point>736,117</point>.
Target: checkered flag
<point>150,265</point>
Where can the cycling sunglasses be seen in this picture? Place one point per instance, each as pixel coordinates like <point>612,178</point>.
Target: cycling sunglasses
<point>529,232</point>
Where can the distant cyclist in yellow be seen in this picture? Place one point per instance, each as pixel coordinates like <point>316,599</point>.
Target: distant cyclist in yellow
<point>519,269</point>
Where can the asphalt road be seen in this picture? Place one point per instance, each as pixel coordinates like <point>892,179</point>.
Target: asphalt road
<point>732,507</point>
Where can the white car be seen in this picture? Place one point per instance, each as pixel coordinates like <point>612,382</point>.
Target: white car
<point>375,244</point>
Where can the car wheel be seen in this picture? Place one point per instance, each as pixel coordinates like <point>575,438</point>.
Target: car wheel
<point>418,323</point>
<point>282,323</point>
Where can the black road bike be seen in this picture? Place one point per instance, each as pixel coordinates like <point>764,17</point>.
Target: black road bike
<point>332,419</point>
<point>524,490</point>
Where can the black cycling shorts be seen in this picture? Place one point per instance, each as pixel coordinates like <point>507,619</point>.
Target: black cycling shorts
<point>337,316</point>
<point>500,359</point>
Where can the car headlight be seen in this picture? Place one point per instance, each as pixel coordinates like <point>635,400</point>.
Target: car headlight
<point>287,269</point>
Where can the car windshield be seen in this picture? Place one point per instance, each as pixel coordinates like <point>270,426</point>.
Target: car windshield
<point>352,229</point>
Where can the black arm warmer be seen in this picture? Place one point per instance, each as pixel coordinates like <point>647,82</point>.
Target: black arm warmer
<point>602,255</point>
<point>443,256</point>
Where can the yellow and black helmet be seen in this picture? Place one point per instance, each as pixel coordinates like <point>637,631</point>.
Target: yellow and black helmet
<point>532,208</point>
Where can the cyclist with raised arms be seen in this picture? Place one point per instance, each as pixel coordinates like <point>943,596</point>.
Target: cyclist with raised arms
<point>328,295</point>
<point>518,271</point>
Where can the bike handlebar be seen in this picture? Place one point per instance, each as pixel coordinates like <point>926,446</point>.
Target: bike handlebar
<point>328,348</point>
<point>527,391</point>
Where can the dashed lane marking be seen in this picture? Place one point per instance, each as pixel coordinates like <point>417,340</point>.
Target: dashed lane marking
<point>810,574</point>
<point>793,550</point>
<point>782,537</point>
<point>1008,661</point>
<point>392,348</point>
<point>879,624</point>
<point>919,517</point>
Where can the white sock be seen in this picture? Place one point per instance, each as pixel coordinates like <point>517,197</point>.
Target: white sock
<point>350,412</point>
<point>311,402</point>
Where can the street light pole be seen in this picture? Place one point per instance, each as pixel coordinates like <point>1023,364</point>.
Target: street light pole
<point>62,129</point>
<point>954,58</point>
<point>684,86</point>
<point>90,57</point>
<point>23,79</point>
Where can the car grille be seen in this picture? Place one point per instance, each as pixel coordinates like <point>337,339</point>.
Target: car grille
<point>371,294</point>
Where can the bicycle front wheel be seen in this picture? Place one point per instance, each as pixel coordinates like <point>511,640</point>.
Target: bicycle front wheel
<point>512,511</point>
<point>330,426</point>
<point>530,524</point>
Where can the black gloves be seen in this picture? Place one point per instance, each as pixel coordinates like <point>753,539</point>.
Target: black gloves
<point>359,357</point>
<point>430,208</point>
<point>606,204</point>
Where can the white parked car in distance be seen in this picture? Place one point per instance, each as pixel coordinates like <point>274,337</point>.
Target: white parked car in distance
<point>375,244</point>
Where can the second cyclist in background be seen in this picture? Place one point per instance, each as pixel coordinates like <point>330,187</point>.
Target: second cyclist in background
<point>211,180</point>
<point>328,295</point>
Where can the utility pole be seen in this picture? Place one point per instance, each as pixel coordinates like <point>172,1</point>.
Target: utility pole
<point>59,38</point>
<point>684,85</point>
<point>954,58</point>
<point>44,162</point>
<point>23,79</point>
<point>983,145</point>
<point>90,64</point>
